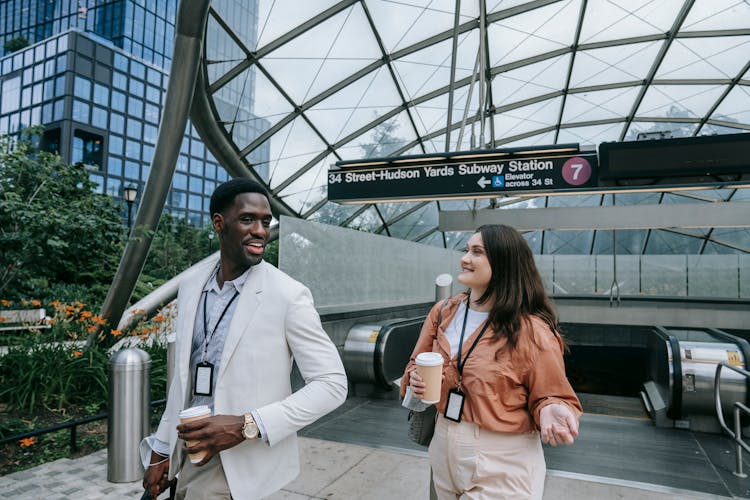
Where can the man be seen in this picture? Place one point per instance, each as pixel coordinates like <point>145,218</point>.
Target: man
<point>240,325</point>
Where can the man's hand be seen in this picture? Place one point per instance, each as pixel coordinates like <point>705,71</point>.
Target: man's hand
<point>214,434</point>
<point>558,425</point>
<point>156,478</point>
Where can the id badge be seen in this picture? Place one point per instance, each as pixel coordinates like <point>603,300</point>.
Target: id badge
<point>455,405</point>
<point>204,379</point>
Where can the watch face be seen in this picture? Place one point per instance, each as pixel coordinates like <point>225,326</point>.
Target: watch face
<point>250,431</point>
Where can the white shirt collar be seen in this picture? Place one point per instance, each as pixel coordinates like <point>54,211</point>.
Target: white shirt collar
<point>213,286</point>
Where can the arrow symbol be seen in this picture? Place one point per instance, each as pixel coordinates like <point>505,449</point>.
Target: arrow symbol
<point>483,182</point>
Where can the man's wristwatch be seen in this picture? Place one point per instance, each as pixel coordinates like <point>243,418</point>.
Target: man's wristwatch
<point>250,428</point>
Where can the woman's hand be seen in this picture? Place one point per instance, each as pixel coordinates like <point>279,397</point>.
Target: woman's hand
<point>558,424</point>
<point>417,384</point>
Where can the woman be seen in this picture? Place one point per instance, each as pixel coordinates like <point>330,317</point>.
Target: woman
<point>504,377</point>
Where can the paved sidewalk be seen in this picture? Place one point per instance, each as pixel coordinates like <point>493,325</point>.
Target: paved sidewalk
<point>330,470</point>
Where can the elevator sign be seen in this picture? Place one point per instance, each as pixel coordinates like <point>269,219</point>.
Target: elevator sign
<point>462,179</point>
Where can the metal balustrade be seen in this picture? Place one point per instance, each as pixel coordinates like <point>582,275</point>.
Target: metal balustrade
<point>738,407</point>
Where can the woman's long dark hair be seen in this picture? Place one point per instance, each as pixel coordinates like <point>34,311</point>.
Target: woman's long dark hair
<point>515,286</point>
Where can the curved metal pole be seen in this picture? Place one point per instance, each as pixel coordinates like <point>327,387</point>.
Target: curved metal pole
<point>190,28</point>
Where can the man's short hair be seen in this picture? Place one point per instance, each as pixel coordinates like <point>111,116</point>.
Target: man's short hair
<point>225,193</point>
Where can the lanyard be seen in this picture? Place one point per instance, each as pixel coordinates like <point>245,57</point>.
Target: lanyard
<point>460,365</point>
<point>206,337</point>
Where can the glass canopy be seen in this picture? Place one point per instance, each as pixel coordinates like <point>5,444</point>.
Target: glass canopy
<point>317,82</point>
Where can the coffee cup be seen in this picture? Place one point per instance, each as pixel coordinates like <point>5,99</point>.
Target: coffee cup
<point>189,415</point>
<point>430,368</point>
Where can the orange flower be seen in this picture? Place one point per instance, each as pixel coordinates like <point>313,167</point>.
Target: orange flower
<point>49,321</point>
<point>55,303</point>
<point>92,328</point>
<point>36,303</point>
<point>98,319</point>
<point>79,304</point>
<point>86,314</point>
<point>77,354</point>
<point>116,333</point>
<point>6,303</point>
<point>2,319</point>
<point>159,318</point>
<point>26,442</point>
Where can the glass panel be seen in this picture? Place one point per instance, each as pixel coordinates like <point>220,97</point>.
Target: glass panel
<point>380,279</point>
<point>616,19</point>
<point>735,107</point>
<point>679,101</point>
<point>674,129</point>
<point>276,17</point>
<point>621,63</point>
<point>628,274</point>
<point>744,276</point>
<point>710,57</point>
<point>416,223</point>
<point>540,30</point>
<point>355,105</point>
<point>595,134</point>
<point>713,276</point>
<point>666,242</point>
<point>664,275</point>
<point>530,81</point>
<point>324,55</point>
<point>717,15</point>
<point>574,274</point>
<point>527,118</point>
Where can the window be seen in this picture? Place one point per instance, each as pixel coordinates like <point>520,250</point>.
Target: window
<point>119,80</point>
<point>135,129</point>
<point>117,123</point>
<point>11,95</point>
<point>153,94</point>
<point>179,181</point>
<point>87,148</point>
<point>101,94</point>
<point>150,133</point>
<point>136,88</point>
<point>135,107</point>
<point>99,117</point>
<point>118,101</point>
<point>114,187</point>
<point>82,88</point>
<point>195,202</point>
<point>114,166</point>
<point>132,170</point>
<point>121,62</point>
<point>152,113</point>
<point>98,180</point>
<point>115,144</point>
<point>51,140</point>
<point>138,70</point>
<point>133,149</point>
<point>196,185</point>
<point>80,111</point>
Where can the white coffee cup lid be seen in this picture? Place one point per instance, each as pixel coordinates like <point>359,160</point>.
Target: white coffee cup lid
<point>195,411</point>
<point>429,359</point>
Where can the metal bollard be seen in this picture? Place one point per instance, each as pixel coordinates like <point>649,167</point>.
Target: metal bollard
<point>129,412</point>
<point>443,287</point>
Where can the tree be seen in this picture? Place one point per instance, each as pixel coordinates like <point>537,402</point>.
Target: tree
<point>15,44</point>
<point>55,231</point>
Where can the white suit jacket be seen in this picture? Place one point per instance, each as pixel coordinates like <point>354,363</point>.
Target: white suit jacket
<point>274,322</point>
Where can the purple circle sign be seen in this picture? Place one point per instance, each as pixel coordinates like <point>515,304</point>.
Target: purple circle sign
<point>576,171</point>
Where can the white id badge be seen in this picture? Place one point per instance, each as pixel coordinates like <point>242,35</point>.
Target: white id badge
<point>455,405</point>
<point>204,376</point>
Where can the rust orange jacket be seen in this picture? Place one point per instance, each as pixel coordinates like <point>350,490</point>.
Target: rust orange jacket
<point>505,391</point>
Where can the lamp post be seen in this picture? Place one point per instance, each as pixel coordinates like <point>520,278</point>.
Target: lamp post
<point>210,241</point>
<point>129,193</point>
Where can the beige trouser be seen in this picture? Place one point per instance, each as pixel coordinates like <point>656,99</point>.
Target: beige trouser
<point>202,483</point>
<point>470,463</point>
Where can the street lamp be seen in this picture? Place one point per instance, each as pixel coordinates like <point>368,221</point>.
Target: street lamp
<point>129,193</point>
<point>210,241</point>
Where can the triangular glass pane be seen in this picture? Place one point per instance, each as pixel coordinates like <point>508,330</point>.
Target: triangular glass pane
<point>382,140</point>
<point>717,15</point>
<point>434,240</point>
<point>355,105</point>
<point>735,107</point>
<point>402,24</point>
<point>457,240</point>
<point>675,129</point>
<point>310,188</point>
<point>710,57</point>
<point>530,81</point>
<point>276,17</point>
<point>431,115</point>
<point>248,105</point>
<point>369,220</point>
<point>678,101</point>
<point>532,33</point>
<point>629,241</point>
<point>415,223</point>
<point>593,134</point>
<point>534,239</point>
<point>622,63</point>
<point>429,69</point>
<point>599,105</point>
<point>666,242</point>
<point>626,199</point>
<point>736,236</point>
<point>289,149</point>
<point>391,210</point>
<point>616,19</point>
<point>324,55</point>
<point>500,5</point>
<point>333,213</point>
<point>222,52</point>
<point>527,118</point>
<point>715,248</point>
<point>578,200</point>
<point>568,242</point>
<point>713,129</point>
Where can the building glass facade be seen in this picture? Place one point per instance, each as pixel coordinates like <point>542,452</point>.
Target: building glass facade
<point>98,90</point>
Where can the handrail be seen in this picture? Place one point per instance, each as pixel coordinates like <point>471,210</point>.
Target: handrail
<point>737,433</point>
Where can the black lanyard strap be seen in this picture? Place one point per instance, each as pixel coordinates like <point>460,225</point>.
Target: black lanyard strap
<point>459,364</point>
<point>206,337</point>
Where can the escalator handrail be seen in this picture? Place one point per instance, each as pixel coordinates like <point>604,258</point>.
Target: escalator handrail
<point>675,407</point>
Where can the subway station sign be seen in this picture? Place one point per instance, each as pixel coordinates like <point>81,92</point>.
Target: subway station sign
<point>482,176</point>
